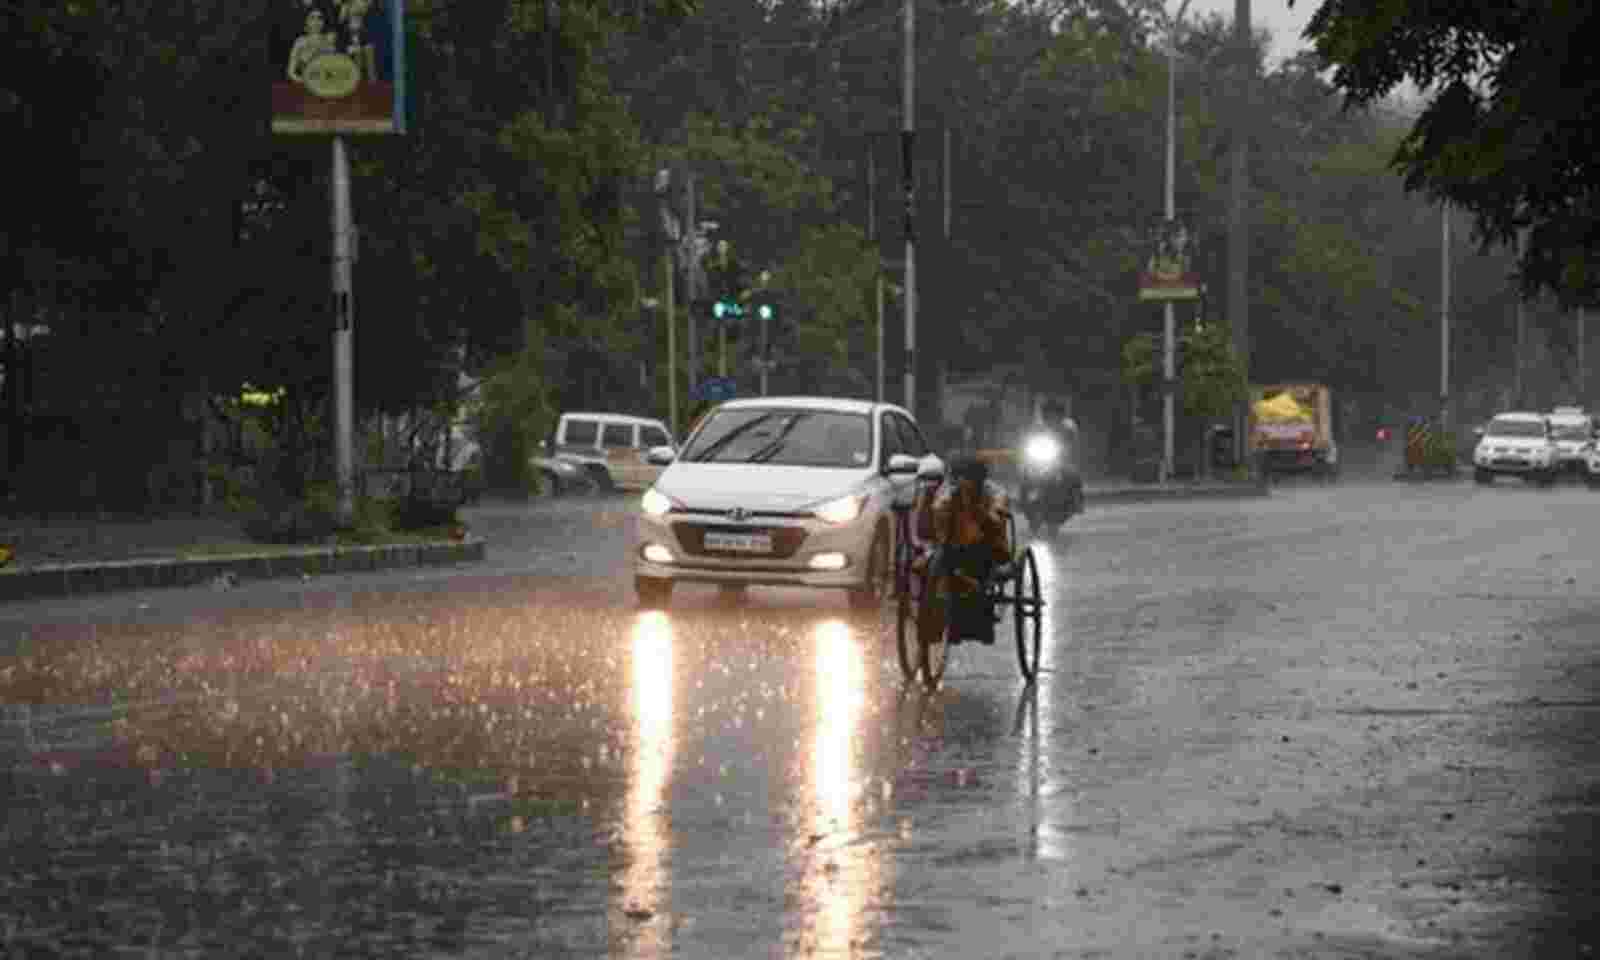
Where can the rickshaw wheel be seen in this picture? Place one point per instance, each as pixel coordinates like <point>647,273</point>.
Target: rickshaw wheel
<point>1027,614</point>
<point>906,629</point>
<point>933,651</point>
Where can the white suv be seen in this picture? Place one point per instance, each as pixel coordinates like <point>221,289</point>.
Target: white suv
<point>1518,444</point>
<point>610,447</point>
<point>1574,433</point>
<point>792,491</point>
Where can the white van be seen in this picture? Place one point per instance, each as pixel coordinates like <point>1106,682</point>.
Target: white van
<point>610,447</point>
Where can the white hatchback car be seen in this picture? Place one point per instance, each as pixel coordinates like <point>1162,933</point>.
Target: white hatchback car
<point>790,491</point>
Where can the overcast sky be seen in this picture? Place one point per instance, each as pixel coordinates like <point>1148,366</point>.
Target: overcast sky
<point>1273,15</point>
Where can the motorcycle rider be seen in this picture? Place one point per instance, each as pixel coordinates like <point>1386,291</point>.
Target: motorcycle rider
<point>1049,450</point>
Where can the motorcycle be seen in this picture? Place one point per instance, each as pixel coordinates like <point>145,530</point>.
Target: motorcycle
<point>1051,490</point>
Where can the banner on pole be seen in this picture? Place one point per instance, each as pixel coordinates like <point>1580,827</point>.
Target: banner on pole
<point>1169,273</point>
<point>339,67</point>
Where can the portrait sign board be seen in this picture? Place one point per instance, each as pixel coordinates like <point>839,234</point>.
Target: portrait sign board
<point>1169,273</point>
<point>339,67</point>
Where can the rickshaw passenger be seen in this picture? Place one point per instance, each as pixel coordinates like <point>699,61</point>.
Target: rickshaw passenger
<point>969,521</point>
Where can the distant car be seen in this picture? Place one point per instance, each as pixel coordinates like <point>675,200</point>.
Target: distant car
<point>1592,465</point>
<point>1519,444</point>
<point>1574,433</point>
<point>793,491</point>
<point>609,448</point>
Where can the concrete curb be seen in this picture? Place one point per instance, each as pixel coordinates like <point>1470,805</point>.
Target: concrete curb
<point>1159,494</point>
<point>69,579</point>
<point>1429,476</point>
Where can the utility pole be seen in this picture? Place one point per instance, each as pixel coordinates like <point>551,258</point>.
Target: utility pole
<point>1444,316</point>
<point>908,174</point>
<point>1522,327</point>
<point>343,322</point>
<point>877,281</point>
<point>1169,338</point>
<point>1238,216</point>
<point>664,199</point>
<point>691,247</point>
<point>1583,379</point>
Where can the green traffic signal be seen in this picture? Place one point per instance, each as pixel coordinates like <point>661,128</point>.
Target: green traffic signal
<point>723,308</point>
<point>764,311</point>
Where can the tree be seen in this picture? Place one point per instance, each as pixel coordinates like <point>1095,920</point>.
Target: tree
<point>1506,133</point>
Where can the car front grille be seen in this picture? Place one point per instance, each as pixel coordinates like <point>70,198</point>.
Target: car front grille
<point>691,537</point>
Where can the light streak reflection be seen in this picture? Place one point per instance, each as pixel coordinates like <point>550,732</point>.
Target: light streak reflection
<point>644,825</point>
<point>844,875</point>
<point>1044,786</point>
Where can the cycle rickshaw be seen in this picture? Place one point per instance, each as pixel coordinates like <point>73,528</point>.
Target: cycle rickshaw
<point>1013,584</point>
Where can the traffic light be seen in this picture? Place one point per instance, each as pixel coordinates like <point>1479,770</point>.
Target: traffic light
<point>766,311</point>
<point>727,310</point>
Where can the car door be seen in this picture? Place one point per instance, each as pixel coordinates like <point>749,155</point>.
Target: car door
<point>911,443</point>
<point>651,435</point>
<point>620,444</point>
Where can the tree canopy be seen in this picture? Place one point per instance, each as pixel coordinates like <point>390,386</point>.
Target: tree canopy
<point>1507,131</point>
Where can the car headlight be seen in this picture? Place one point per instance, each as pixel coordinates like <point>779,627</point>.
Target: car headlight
<point>655,503</point>
<point>841,511</point>
<point>1041,450</point>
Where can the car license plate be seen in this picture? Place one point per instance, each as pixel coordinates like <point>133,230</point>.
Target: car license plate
<point>738,542</point>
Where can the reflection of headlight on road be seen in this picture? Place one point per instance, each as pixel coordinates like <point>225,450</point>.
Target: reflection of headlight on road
<point>1041,450</point>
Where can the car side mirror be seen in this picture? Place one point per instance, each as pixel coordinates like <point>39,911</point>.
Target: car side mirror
<point>1477,431</point>
<point>660,456</point>
<point>901,464</point>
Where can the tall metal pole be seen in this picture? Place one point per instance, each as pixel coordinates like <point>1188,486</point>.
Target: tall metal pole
<point>877,276</point>
<point>908,173</point>
<point>691,231</point>
<point>672,345</point>
<point>1444,316</point>
<point>1238,216</point>
<point>766,351</point>
<point>1169,346</point>
<point>1522,334</point>
<point>1583,378</point>
<point>343,322</point>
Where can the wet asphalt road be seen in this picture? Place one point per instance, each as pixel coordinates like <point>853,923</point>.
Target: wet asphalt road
<point>1350,721</point>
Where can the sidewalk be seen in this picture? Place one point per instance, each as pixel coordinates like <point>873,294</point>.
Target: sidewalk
<point>66,556</point>
<point>77,555</point>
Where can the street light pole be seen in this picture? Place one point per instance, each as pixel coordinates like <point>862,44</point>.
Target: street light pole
<point>908,156</point>
<point>343,322</point>
<point>1169,323</point>
<point>1444,316</point>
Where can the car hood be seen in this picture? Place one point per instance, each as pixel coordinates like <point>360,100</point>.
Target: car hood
<point>723,486</point>
<point>1515,443</point>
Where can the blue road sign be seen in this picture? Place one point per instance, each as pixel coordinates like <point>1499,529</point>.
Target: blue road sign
<point>715,389</point>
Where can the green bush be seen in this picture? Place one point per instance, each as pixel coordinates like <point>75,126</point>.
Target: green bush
<point>416,513</point>
<point>273,517</point>
<point>1439,450</point>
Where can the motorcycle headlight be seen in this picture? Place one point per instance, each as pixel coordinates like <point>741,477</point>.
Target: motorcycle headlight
<point>1041,450</point>
<point>655,503</point>
<point>841,511</point>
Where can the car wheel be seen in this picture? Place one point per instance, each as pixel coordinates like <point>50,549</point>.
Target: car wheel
<point>1593,480</point>
<point>732,593</point>
<point>551,482</point>
<point>1482,476</point>
<point>653,591</point>
<point>601,478</point>
<point>875,585</point>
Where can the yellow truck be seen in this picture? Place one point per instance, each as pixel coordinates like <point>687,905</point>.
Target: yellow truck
<point>1291,429</point>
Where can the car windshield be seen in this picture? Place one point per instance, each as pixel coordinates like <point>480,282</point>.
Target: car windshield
<point>1515,428</point>
<point>783,437</point>
<point>1569,431</point>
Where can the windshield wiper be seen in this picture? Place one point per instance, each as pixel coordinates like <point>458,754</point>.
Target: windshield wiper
<point>718,445</point>
<point>774,446</point>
